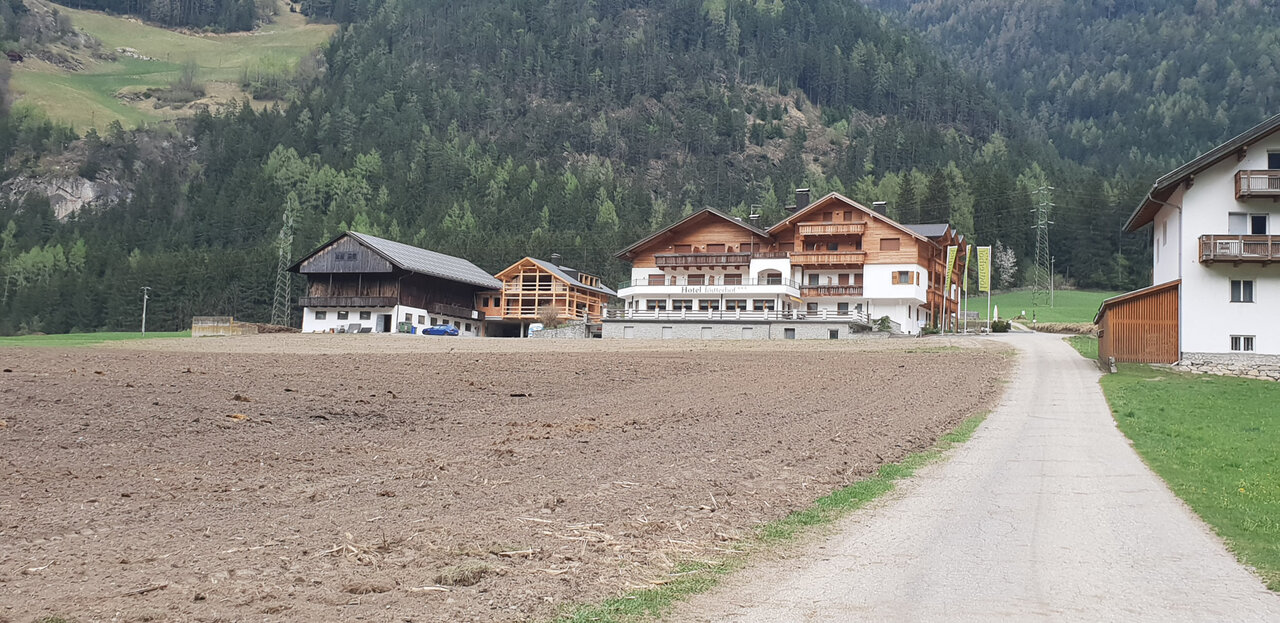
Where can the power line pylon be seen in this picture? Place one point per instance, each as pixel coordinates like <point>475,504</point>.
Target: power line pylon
<point>284,246</point>
<point>1041,270</point>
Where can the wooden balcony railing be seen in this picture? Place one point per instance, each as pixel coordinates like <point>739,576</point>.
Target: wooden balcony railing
<point>1257,184</point>
<point>348,301</point>
<point>828,258</point>
<point>808,291</point>
<point>674,260</point>
<point>831,229</point>
<point>1239,248</point>
<point>454,310</point>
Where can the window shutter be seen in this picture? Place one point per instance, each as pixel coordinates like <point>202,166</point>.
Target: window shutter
<point>895,277</point>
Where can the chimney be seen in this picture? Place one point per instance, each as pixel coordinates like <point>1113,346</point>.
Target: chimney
<point>880,207</point>
<point>802,198</point>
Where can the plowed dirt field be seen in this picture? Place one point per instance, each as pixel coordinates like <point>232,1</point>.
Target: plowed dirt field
<point>388,478</point>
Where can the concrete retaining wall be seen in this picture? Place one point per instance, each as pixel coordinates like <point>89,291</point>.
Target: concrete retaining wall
<point>762,330</point>
<point>1242,365</point>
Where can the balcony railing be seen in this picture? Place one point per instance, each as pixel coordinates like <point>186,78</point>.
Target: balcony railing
<point>831,229</point>
<point>828,258</point>
<point>455,310</point>
<point>348,301</point>
<point>810,291</point>
<point>534,288</point>
<point>684,281</point>
<point>676,260</point>
<point>1239,248</point>
<point>790,315</point>
<point>1257,184</point>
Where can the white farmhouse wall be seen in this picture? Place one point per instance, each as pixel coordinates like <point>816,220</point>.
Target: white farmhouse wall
<point>1208,318</point>
<point>1167,243</point>
<point>877,282</point>
<point>331,322</point>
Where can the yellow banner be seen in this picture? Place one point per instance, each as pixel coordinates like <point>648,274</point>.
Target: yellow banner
<point>964,281</point>
<point>951,266</point>
<point>984,269</point>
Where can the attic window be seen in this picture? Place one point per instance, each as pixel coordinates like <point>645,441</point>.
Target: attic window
<point>342,256</point>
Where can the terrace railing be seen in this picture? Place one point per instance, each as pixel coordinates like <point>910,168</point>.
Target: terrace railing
<point>1239,248</point>
<point>1257,184</point>
<point>808,291</point>
<point>794,315</point>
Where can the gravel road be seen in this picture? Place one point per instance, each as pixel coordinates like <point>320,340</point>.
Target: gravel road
<point>1046,514</point>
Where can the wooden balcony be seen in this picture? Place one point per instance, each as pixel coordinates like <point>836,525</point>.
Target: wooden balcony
<point>690,260</point>
<point>454,310</point>
<point>348,301</point>
<point>1251,184</point>
<point>817,291</point>
<point>831,229</point>
<point>828,258</point>
<point>1239,248</point>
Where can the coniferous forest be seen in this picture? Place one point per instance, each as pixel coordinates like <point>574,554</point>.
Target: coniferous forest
<point>495,129</point>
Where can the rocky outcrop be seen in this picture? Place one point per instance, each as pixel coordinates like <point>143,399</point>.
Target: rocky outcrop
<point>68,194</point>
<point>1242,365</point>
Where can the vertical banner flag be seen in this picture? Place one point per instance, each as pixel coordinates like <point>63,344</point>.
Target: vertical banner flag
<point>951,266</point>
<point>984,269</point>
<point>964,280</point>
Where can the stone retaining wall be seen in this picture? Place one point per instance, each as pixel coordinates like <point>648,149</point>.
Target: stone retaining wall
<point>573,331</point>
<point>1242,365</point>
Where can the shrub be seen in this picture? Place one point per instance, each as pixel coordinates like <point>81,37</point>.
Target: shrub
<point>1000,326</point>
<point>883,323</point>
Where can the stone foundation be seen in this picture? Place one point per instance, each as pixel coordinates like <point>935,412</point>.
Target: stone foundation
<point>1223,364</point>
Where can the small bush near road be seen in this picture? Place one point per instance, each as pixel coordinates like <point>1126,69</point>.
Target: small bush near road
<point>1213,439</point>
<point>1001,326</point>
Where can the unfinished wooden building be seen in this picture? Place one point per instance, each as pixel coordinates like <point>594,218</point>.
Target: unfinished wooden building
<point>530,285</point>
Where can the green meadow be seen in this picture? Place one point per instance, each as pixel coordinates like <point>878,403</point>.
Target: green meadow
<point>1068,305</point>
<point>71,340</point>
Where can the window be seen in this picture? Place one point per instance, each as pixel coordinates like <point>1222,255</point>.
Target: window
<point>904,277</point>
<point>457,325</point>
<point>708,305</point>
<point>1273,160</point>
<point>833,334</point>
<point>848,216</point>
<point>484,301</point>
<point>842,279</point>
<point>1242,343</point>
<point>890,244</point>
<point>772,279</point>
<point>422,320</point>
<point>1241,291</point>
<point>679,304</point>
<point>707,333</point>
<point>843,308</point>
<point>320,315</point>
<point>628,332</point>
<point>1258,224</point>
<point>1241,223</point>
<point>762,305</point>
<point>733,280</point>
<point>747,333</point>
<point>1164,232</point>
<point>833,246</point>
<point>342,315</point>
<point>364,315</point>
<point>735,304</point>
<point>789,334</point>
<point>408,317</point>
<point>657,280</point>
<point>715,248</point>
<point>345,256</point>
<point>668,332</point>
<point>813,279</point>
<point>697,280</point>
<point>653,305</point>
<point>468,327</point>
<point>811,308</point>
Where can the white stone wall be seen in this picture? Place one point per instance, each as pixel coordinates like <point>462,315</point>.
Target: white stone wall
<point>310,324</point>
<point>1247,366</point>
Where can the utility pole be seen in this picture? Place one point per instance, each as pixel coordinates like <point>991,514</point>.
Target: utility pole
<point>1051,269</point>
<point>146,291</point>
<point>1041,270</point>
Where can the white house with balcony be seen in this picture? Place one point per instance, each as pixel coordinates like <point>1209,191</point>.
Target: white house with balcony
<point>1214,224</point>
<point>831,269</point>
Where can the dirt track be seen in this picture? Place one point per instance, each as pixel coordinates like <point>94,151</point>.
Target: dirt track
<point>565,472</point>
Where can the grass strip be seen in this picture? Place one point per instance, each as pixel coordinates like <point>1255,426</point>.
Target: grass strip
<point>72,340</point>
<point>1213,439</point>
<point>691,578</point>
<point>1086,345</point>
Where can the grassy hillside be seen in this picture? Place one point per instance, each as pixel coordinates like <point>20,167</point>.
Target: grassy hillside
<point>1068,305</point>
<point>90,97</point>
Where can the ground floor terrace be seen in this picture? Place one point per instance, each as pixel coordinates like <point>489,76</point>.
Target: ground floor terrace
<point>512,476</point>
<point>904,315</point>
<point>389,319</point>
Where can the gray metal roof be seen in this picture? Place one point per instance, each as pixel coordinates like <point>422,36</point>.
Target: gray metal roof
<point>426,262</point>
<point>559,272</point>
<point>930,230</point>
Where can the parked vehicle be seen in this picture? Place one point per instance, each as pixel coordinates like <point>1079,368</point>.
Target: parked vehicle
<point>441,329</point>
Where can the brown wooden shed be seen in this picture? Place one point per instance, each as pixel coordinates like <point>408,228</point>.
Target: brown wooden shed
<point>1140,326</point>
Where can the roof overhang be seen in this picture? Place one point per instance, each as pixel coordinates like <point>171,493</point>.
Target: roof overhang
<point>686,220</point>
<point>1169,182</point>
<point>1133,295</point>
<point>830,197</point>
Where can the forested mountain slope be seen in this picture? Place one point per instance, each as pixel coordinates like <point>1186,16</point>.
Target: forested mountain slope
<point>1117,83</point>
<point>495,129</point>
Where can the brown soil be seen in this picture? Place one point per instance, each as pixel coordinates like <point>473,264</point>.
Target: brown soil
<point>441,480</point>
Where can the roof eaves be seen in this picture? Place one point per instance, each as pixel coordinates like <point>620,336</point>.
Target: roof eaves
<point>654,235</point>
<point>1135,293</point>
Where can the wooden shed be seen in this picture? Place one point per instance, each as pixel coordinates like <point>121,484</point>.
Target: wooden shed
<point>1140,326</point>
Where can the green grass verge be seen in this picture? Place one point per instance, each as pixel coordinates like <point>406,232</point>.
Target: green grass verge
<point>1213,439</point>
<point>87,98</point>
<point>1086,345</point>
<point>1068,305</point>
<point>70,340</point>
<point>692,578</point>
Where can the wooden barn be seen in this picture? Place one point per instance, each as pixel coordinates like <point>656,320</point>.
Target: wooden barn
<point>1140,326</point>
<point>362,283</point>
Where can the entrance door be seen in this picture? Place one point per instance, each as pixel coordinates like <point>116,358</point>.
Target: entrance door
<point>385,321</point>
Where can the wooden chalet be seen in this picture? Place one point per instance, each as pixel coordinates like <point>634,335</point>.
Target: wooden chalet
<point>362,283</point>
<point>531,284</point>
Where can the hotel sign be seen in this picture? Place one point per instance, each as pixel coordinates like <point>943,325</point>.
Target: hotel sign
<point>714,289</point>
